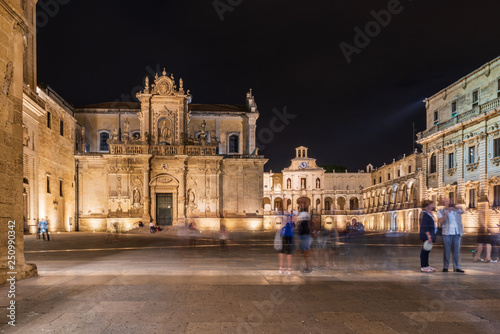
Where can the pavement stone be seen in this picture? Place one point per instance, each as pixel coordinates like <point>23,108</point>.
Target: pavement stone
<point>159,284</point>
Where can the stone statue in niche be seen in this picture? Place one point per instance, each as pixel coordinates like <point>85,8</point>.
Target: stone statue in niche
<point>114,134</point>
<point>191,197</point>
<point>119,209</point>
<point>165,131</point>
<point>317,183</point>
<point>288,184</point>
<point>126,126</point>
<point>136,195</point>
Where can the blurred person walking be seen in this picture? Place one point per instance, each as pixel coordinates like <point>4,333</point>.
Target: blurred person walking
<point>287,247</point>
<point>484,240</point>
<point>450,219</point>
<point>427,235</point>
<point>304,232</point>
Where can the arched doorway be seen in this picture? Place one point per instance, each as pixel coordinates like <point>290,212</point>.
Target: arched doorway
<point>267,204</point>
<point>303,203</point>
<point>341,203</point>
<point>278,204</point>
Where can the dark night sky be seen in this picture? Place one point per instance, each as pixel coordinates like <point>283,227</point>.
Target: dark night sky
<point>287,52</point>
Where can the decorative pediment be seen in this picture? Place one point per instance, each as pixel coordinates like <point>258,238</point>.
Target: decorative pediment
<point>164,179</point>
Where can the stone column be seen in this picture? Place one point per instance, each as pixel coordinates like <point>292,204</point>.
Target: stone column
<point>146,215</point>
<point>459,163</point>
<point>440,168</point>
<point>483,201</point>
<point>252,120</point>
<point>181,210</point>
<point>12,30</point>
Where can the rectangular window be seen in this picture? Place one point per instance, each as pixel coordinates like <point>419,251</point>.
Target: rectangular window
<point>471,154</point>
<point>496,147</point>
<point>61,127</point>
<point>388,176</point>
<point>475,98</point>
<point>374,182</point>
<point>48,185</point>
<point>436,118</point>
<point>451,160</point>
<point>60,188</point>
<point>472,198</point>
<point>451,196</point>
<point>454,109</point>
<point>409,169</point>
<point>498,88</point>
<point>49,119</point>
<point>380,179</point>
<point>399,172</point>
<point>496,196</point>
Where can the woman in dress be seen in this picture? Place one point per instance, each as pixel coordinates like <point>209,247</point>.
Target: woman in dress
<point>427,234</point>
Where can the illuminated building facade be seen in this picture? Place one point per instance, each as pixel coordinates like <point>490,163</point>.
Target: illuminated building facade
<point>461,145</point>
<point>169,160</point>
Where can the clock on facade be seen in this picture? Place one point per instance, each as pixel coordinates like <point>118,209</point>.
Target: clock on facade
<point>303,164</point>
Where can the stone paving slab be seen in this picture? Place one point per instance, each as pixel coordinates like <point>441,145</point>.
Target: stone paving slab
<point>158,284</point>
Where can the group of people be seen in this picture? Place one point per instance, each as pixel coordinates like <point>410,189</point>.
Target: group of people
<point>43,229</point>
<point>313,242</point>
<point>450,227</point>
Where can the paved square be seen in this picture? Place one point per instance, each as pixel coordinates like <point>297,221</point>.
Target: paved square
<point>157,283</point>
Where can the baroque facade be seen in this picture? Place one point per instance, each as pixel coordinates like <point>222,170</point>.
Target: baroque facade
<point>169,160</point>
<point>461,145</point>
<point>382,199</point>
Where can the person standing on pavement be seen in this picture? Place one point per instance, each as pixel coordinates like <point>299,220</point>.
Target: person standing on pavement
<point>427,234</point>
<point>450,219</point>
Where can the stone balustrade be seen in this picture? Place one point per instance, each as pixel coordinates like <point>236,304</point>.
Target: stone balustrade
<point>461,118</point>
<point>163,150</point>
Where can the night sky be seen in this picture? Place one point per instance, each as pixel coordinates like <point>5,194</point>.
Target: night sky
<point>288,52</point>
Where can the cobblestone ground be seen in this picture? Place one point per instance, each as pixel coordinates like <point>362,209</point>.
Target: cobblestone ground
<point>159,283</point>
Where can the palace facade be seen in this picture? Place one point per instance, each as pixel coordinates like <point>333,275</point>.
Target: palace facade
<point>386,198</point>
<point>461,145</point>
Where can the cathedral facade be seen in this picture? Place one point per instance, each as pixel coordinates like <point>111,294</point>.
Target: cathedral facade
<point>169,160</point>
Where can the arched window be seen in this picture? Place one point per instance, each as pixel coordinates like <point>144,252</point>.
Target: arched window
<point>354,203</point>
<point>432,164</point>
<point>234,143</point>
<point>103,141</point>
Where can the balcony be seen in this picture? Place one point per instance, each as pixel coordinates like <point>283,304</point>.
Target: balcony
<point>163,150</point>
<point>460,118</point>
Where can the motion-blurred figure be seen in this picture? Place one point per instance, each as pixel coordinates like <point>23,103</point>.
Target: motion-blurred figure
<point>287,247</point>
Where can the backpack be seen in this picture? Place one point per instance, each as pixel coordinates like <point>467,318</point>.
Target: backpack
<point>278,241</point>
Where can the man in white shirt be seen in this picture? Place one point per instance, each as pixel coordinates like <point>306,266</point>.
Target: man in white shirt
<point>450,219</point>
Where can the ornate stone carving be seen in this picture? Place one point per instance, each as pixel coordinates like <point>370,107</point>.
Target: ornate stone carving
<point>495,161</point>
<point>165,179</point>
<point>451,171</point>
<point>472,167</point>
